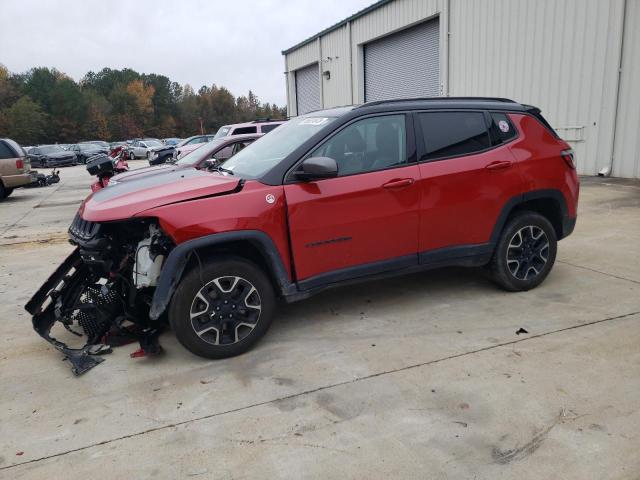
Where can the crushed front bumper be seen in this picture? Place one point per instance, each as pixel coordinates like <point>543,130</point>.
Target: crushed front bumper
<point>46,306</point>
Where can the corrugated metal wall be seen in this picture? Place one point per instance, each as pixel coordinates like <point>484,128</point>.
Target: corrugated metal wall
<point>335,59</point>
<point>560,55</point>
<point>626,162</point>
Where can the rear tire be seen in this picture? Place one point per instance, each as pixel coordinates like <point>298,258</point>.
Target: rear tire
<point>7,192</point>
<point>3,191</point>
<point>223,308</point>
<point>525,253</point>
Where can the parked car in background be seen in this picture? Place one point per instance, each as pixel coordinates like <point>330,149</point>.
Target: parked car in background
<point>209,154</point>
<point>171,141</point>
<point>85,150</point>
<point>14,167</point>
<point>257,126</point>
<point>143,148</point>
<point>100,143</point>
<point>189,144</point>
<point>51,156</point>
<point>113,145</point>
<point>162,154</point>
<point>185,150</point>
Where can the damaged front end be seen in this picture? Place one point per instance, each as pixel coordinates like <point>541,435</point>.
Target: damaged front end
<point>102,292</point>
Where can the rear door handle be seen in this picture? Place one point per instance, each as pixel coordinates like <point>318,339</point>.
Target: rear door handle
<point>498,165</point>
<point>398,183</point>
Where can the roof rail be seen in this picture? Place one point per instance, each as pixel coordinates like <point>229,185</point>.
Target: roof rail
<point>397,100</point>
<point>266,119</point>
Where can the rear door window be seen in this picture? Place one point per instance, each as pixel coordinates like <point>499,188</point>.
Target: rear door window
<point>452,134</point>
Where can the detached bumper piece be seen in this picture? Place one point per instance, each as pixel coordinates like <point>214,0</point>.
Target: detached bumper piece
<point>73,297</point>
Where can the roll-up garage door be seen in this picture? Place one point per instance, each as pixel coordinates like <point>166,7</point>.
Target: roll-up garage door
<point>308,89</point>
<point>405,64</point>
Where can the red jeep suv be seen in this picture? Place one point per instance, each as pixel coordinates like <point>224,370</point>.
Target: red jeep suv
<point>327,198</point>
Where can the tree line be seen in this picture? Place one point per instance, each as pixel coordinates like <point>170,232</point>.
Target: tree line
<point>44,105</point>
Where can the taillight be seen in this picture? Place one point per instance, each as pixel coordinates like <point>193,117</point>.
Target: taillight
<point>20,164</point>
<point>569,157</point>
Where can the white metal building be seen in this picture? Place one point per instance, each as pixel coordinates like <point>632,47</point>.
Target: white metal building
<point>578,60</point>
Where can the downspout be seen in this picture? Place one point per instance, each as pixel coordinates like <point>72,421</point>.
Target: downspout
<point>320,67</point>
<point>446,14</point>
<point>606,171</point>
<point>286,80</point>
<point>350,62</point>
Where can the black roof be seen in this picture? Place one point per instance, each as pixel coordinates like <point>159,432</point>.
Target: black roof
<point>492,103</point>
<point>479,103</point>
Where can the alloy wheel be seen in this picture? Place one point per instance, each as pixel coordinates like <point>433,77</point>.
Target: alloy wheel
<point>528,252</point>
<point>225,310</point>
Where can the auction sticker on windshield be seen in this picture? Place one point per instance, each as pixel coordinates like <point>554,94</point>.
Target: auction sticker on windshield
<point>314,121</point>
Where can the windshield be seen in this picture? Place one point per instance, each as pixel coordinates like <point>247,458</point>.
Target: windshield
<point>186,141</point>
<point>222,132</point>
<point>153,143</point>
<point>266,152</point>
<point>86,147</point>
<point>194,157</point>
<point>51,149</point>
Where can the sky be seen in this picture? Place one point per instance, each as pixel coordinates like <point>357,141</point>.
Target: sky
<point>231,43</point>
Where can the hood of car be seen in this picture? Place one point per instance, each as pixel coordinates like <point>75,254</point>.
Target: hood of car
<point>162,148</point>
<point>142,172</point>
<point>131,198</point>
<point>190,148</point>
<point>58,155</point>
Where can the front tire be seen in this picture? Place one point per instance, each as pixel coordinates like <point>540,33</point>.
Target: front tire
<point>222,308</point>
<point>132,156</point>
<point>525,253</point>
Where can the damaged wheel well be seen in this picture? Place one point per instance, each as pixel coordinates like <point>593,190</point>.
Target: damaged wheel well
<point>239,248</point>
<point>253,245</point>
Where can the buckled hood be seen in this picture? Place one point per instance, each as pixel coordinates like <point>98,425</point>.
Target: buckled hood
<point>132,198</point>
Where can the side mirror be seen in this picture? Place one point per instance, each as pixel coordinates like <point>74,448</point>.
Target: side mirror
<point>316,168</point>
<point>210,163</point>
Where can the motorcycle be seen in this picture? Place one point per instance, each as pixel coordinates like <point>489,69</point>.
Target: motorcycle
<point>106,166</point>
<point>42,180</point>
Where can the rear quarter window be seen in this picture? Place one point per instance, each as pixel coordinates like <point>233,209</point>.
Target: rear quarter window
<point>243,130</point>
<point>502,129</point>
<point>5,151</point>
<point>16,148</point>
<point>268,128</point>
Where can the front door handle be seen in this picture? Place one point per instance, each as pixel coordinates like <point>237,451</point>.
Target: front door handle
<point>398,183</point>
<point>500,164</point>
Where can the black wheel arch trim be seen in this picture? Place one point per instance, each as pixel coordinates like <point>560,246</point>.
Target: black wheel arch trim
<point>518,200</point>
<point>179,257</point>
